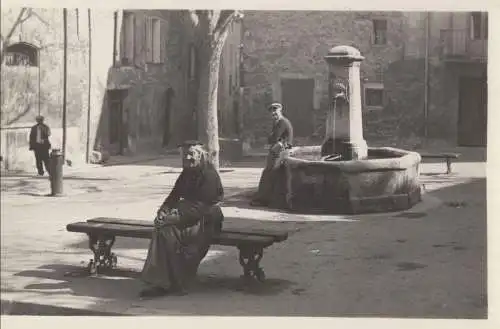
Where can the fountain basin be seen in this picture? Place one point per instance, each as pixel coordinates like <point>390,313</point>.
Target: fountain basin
<point>388,180</point>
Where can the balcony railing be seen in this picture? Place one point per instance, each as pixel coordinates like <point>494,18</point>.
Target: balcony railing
<point>457,44</point>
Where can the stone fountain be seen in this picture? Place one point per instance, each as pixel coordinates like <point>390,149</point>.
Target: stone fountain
<point>344,175</point>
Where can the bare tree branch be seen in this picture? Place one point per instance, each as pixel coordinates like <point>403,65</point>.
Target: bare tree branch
<point>194,17</point>
<point>225,19</point>
<point>214,16</point>
<point>29,13</point>
<point>35,14</point>
<point>19,20</point>
<point>14,26</point>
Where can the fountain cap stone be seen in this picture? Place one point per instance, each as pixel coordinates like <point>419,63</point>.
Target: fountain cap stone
<point>343,54</point>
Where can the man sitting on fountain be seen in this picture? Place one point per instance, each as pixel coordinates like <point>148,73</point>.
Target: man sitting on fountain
<point>184,225</point>
<point>279,141</point>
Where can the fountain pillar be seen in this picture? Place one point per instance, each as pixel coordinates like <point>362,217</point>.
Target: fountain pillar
<point>344,125</point>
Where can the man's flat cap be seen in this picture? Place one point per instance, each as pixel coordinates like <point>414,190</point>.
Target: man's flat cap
<point>275,106</point>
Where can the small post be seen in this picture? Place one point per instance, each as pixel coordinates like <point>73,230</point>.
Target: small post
<point>65,80</point>
<point>448,165</point>
<point>56,172</point>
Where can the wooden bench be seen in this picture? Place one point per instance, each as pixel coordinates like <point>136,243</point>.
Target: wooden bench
<point>449,157</point>
<point>102,233</point>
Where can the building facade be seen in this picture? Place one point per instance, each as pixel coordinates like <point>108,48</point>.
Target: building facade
<point>457,56</point>
<point>283,61</point>
<point>129,81</point>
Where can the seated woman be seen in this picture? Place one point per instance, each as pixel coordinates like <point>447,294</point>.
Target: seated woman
<point>184,226</point>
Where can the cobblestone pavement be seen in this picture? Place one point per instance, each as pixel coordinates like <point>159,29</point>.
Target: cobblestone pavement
<point>427,263</point>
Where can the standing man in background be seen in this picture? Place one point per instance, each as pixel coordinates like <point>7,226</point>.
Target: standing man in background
<point>40,144</point>
<point>279,141</point>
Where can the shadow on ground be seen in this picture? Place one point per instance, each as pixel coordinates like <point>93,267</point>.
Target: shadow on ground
<point>125,284</point>
<point>427,244</point>
<point>24,308</point>
<point>76,178</point>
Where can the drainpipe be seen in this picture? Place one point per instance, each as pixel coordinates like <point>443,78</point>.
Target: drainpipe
<point>484,30</point>
<point>241,82</point>
<point>115,37</point>
<point>426,74</point>
<point>65,82</point>
<point>39,81</point>
<point>87,150</point>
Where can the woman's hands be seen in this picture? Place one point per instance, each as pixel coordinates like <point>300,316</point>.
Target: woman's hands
<point>166,217</point>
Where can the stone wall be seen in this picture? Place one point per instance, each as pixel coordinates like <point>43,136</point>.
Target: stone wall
<point>18,157</point>
<point>145,84</point>
<point>278,44</point>
<point>29,91</point>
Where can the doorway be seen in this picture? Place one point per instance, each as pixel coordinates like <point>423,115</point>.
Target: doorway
<point>472,111</point>
<point>117,122</point>
<point>297,96</point>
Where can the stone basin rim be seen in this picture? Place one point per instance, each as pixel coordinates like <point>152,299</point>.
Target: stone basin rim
<point>400,160</point>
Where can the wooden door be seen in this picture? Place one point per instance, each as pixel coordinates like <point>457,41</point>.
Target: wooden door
<point>298,100</point>
<point>472,112</point>
<point>117,128</point>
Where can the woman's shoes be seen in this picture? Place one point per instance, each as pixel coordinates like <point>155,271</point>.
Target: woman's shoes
<point>159,292</point>
<point>153,292</point>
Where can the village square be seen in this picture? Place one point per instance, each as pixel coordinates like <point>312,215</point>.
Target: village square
<point>333,163</point>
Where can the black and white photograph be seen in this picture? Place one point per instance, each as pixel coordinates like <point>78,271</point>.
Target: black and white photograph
<point>261,162</point>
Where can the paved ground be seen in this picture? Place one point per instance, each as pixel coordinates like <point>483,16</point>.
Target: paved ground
<point>429,262</point>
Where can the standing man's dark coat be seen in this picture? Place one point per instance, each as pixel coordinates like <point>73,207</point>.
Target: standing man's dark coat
<point>280,141</point>
<point>40,144</point>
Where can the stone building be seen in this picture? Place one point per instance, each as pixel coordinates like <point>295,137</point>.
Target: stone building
<point>283,61</point>
<point>457,44</point>
<point>129,80</point>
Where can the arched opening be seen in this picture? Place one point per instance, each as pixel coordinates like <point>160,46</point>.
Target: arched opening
<point>22,54</point>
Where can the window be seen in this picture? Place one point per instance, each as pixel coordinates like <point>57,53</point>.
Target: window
<point>17,59</point>
<point>153,40</point>
<point>479,26</point>
<point>379,31</point>
<point>128,38</point>
<point>374,95</point>
<point>21,54</point>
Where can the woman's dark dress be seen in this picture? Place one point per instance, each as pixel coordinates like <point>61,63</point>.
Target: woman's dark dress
<point>176,251</point>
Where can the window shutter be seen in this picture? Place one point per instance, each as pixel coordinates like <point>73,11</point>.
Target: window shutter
<point>163,35</point>
<point>156,37</point>
<point>149,40</point>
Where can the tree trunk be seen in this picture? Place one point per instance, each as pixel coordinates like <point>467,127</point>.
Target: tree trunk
<point>208,126</point>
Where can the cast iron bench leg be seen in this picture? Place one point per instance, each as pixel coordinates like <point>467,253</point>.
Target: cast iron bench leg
<point>249,260</point>
<point>448,165</point>
<point>103,257</point>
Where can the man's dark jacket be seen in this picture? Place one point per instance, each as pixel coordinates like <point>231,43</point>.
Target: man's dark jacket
<point>45,133</point>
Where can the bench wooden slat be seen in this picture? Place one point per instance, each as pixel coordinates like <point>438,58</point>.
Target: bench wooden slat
<point>236,239</point>
<point>439,156</point>
<point>144,232</point>
<point>109,220</point>
<point>276,235</point>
